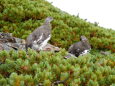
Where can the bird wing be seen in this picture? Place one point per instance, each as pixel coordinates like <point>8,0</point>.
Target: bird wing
<point>40,38</point>
<point>44,42</point>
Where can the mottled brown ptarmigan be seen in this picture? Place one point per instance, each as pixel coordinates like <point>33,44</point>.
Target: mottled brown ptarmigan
<point>80,48</point>
<point>40,36</point>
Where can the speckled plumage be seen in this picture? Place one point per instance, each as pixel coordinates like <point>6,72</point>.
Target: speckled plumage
<point>80,48</point>
<point>39,35</point>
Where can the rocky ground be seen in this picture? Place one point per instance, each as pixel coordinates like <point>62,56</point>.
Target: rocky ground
<point>8,42</point>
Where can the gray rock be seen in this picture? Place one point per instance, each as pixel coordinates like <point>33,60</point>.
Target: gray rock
<point>50,47</point>
<point>1,47</point>
<point>18,40</point>
<point>105,52</point>
<point>17,46</point>
<point>5,47</point>
<point>8,42</point>
<point>6,37</point>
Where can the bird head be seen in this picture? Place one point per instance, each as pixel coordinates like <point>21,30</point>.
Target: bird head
<point>83,38</point>
<point>49,19</point>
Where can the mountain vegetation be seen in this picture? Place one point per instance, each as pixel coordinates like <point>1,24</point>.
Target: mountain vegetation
<point>18,68</point>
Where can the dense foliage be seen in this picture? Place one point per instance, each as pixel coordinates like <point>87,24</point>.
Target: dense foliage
<point>20,69</point>
<point>21,17</point>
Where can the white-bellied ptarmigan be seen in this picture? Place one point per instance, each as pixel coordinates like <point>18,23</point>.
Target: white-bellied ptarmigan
<point>80,48</point>
<point>40,36</point>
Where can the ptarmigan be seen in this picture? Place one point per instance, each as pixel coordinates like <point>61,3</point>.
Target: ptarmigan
<point>80,48</point>
<point>40,36</point>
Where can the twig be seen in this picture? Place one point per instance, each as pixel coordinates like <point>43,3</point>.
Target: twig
<point>60,82</point>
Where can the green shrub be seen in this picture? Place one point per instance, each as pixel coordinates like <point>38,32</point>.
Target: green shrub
<point>20,69</point>
<point>21,17</point>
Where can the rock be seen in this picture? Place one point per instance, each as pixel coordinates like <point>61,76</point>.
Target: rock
<point>7,42</point>
<point>50,47</point>
<point>6,37</point>
<point>1,47</point>
<point>17,46</point>
<point>12,46</point>
<point>18,40</point>
<point>5,47</point>
<point>105,52</point>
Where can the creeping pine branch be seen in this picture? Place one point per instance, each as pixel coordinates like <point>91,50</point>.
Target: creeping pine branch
<point>60,82</point>
<point>56,82</point>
